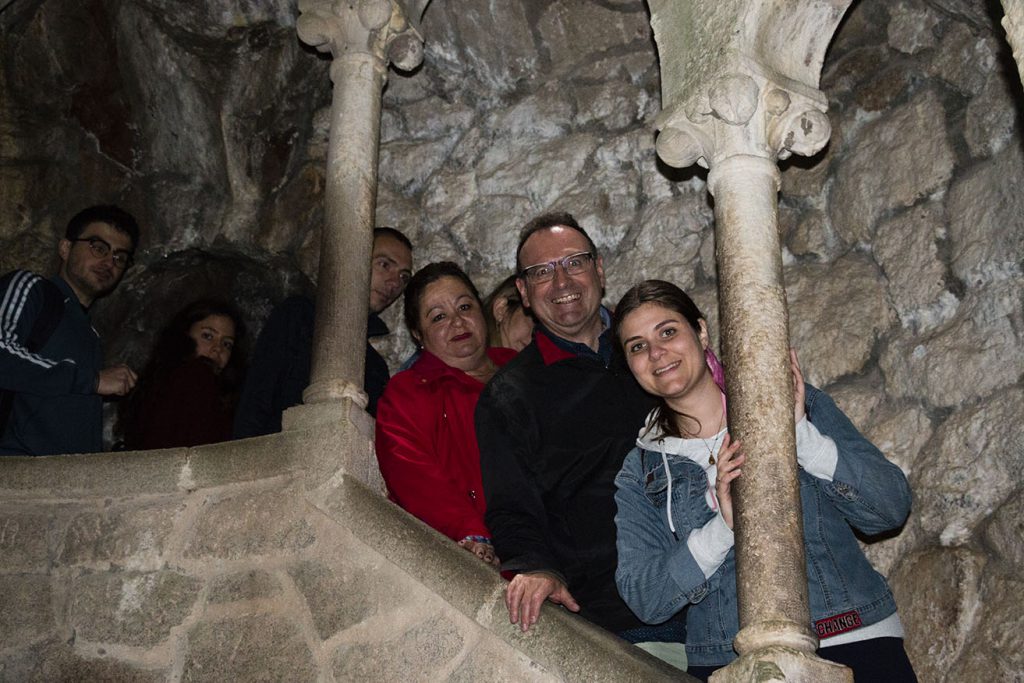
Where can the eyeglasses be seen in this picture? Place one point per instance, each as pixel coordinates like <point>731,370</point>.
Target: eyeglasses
<point>101,248</point>
<point>573,264</point>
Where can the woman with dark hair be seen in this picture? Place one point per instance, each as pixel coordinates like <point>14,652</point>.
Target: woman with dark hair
<point>426,440</point>
<point>675,521</point>
<point>509,323</point>
<point>187,392</point>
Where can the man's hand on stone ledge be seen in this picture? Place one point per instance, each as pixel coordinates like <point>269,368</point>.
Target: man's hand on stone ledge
<point>526,593</point>
<point>117,380</point>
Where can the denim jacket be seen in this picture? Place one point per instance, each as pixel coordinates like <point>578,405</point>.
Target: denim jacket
<point>658,575</point>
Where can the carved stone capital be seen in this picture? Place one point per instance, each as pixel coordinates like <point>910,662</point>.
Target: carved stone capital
<point>743,113</point>
<point>380,29</point>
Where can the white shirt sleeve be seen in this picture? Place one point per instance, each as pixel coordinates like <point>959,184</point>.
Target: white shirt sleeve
<point>710,544</point>
<point>815,452</point>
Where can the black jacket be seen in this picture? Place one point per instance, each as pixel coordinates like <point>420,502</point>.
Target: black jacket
<point>55,408</point>
<point>280,365</point>
<point>553,430</point>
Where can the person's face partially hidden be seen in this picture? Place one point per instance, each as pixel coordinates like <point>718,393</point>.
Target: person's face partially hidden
<point>214,336</point>
<point>390,270</point>
<point>516,329</point>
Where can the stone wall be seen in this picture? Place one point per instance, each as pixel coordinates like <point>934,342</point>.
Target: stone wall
<point>903,239</point>
<point>264,559</point>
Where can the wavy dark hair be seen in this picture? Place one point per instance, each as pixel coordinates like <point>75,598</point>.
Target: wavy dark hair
<point>173,347</point>
<point>673,298</point>
<point>432,272</point>
<point>113,216</point>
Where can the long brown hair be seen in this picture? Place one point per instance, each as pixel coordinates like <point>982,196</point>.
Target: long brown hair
<point>671,297</point>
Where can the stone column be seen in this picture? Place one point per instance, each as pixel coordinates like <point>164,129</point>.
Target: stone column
<point>1013,23</point>
<point>739,82</point>
<point>363,37</point>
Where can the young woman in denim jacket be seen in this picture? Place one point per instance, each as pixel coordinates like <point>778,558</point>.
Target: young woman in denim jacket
<point>675,538</point>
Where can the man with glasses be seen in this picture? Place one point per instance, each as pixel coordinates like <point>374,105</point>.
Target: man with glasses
<point>554,426</point>
<point>52,378</point>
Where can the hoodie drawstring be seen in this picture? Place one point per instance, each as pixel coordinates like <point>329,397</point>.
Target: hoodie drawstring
<point>668,493</point>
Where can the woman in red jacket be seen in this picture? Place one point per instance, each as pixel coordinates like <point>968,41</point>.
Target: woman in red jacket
<point>426,442</point>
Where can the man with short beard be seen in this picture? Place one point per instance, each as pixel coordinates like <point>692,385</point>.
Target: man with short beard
<point>52,379</point>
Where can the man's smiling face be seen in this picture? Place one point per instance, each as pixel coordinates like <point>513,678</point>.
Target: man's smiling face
<point>567,305</point>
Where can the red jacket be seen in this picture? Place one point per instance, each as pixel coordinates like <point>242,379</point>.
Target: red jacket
<point>426,444</point>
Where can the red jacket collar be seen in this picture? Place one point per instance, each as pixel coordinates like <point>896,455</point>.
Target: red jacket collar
<point>549,351</point>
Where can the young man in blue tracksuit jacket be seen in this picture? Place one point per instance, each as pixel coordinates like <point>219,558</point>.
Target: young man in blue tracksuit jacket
<point>52,378</point>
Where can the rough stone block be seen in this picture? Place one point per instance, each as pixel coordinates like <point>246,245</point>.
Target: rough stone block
<point>250,648</point>
<point>108,474</point>
<point>666,246</point>
<point>406,165</point>
<point>938,591</point>
<point>974,466</point>
<point>543,115</point>
<point>906,248</point>
<point>612,106</point>
<point>251,585</point>
<point>480,42</point>
<point>986,221</point>
<point>434,118</point>
<point>421,653</point>
<point>54,661</point>
<point>857,298</point>
<point>130,608</point>
<point>574,31</point>
<point>251,522</point>
<point>490,251</point>
<point>340,594</point>
<point>492,660</point>
<point>1005,532</point>
<point>27,613</point>
<point>964,57</point>
<point>25,538</point>
<point>992,114</point>
<point>859,397</point>
<point>995,648</point>
<point>971,356</point>
<point>809,234</point>
<point>884,87</point>
<point>638,67</point>
<point>132,536</point>
<point>543,174</point>
<point>895,161</point>
<point>841,76</point>
<point>248,460</point>
<point>911,26</point>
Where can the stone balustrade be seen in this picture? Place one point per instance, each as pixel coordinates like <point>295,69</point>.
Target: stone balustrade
<point>271,558</point>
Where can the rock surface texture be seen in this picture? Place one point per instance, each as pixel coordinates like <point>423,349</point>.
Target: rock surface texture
<point>903,254</point>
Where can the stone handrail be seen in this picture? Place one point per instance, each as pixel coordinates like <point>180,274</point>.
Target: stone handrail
<point>267,555</point>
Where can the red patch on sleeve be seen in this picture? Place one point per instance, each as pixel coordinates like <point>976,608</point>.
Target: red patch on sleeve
<point>840,623</point>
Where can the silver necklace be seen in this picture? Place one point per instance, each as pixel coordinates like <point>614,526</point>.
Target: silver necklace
<point>712,449</point>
